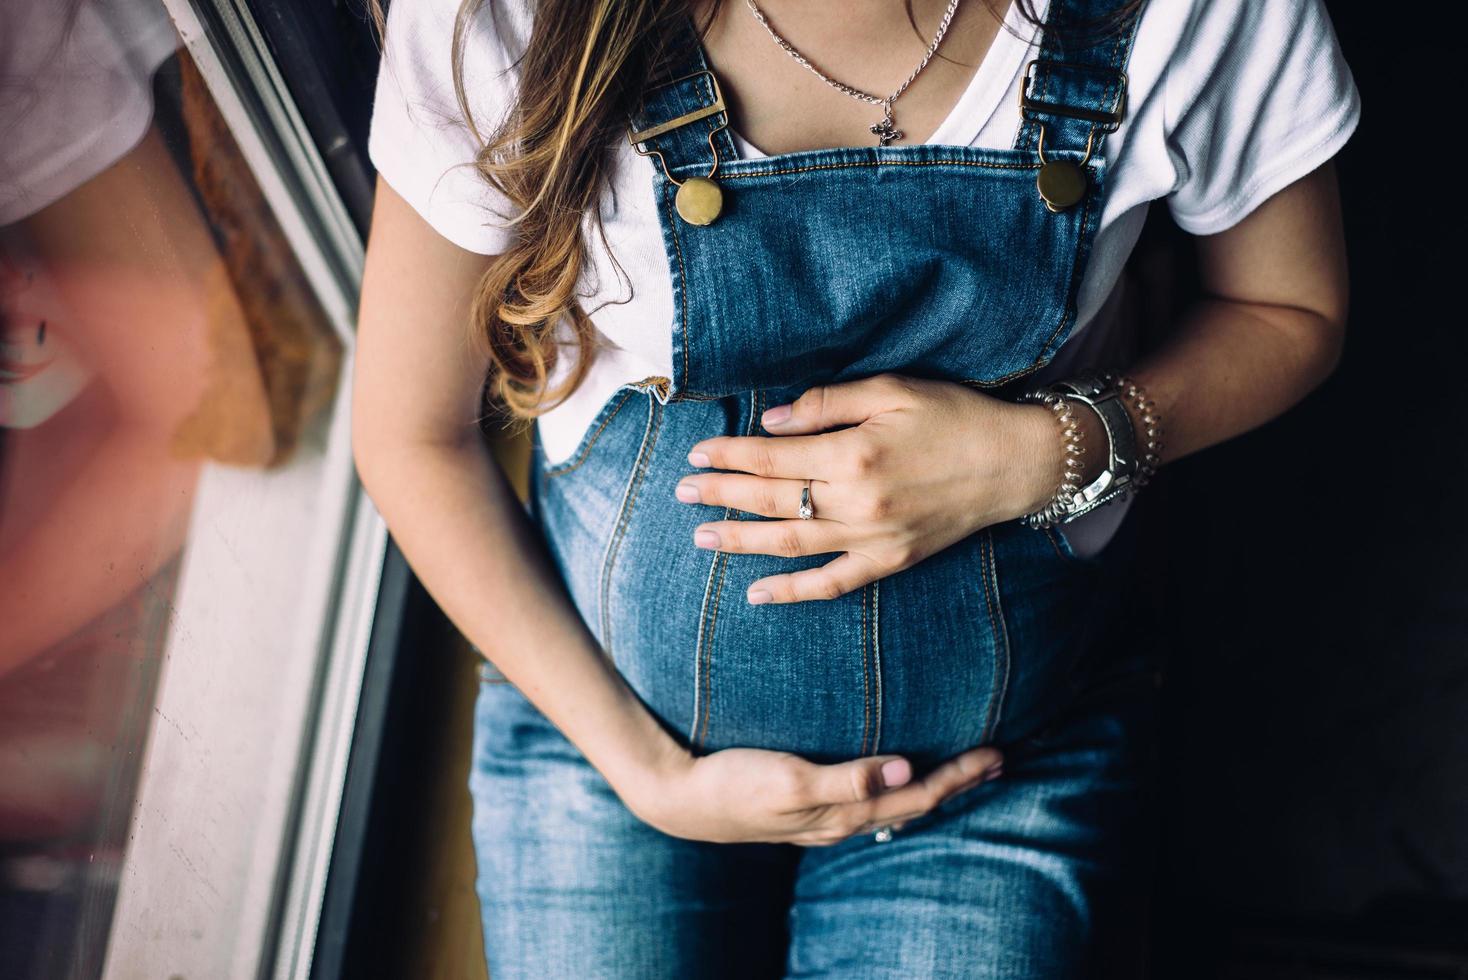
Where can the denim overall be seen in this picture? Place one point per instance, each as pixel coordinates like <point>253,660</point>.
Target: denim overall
<point>828,265</point>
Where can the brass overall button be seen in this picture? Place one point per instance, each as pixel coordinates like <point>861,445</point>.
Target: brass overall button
<point>1061,184</point>
<point>699,201</point>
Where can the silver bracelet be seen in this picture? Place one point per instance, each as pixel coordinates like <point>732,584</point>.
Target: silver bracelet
<point>1070,481</point>
<point>1151,457</point>
<point>1106,393</point>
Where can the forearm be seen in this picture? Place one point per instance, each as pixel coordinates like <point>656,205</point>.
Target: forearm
<point>1226,368</point>
<point>458,522</point>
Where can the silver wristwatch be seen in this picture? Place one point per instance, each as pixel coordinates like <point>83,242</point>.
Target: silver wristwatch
<point>1122,460</point>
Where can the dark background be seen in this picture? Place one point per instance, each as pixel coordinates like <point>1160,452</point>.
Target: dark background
<point>1313,612</point>
<point>1305,590</point>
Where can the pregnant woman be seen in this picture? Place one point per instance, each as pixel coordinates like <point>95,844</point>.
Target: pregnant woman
<point>839,420</point>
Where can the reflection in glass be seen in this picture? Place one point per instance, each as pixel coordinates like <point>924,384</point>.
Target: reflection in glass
<point>152,322</point>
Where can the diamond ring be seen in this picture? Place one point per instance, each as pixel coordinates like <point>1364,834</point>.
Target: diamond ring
<point>806,510</point>
<point>883,834</point>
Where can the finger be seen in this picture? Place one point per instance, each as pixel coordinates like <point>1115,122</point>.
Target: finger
<point>922,795</point>
<point>828,406</point>
<point>786,539</point>
<point>789,457</point>
<point>858,780</point>
<point>836,578</point>
<point>899,820</point>
<point>761,495</point>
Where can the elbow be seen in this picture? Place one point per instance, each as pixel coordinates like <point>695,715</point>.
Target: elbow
<point>384,450</point>
<point>1331,337</point>
<point>373,449</point>
<point>1330,348</point>
<point>1321,347</point>
<point>366,455</point>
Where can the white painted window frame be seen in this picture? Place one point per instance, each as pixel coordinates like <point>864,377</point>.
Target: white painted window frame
<point>245,762</point>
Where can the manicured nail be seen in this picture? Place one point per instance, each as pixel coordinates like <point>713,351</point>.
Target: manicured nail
<point>687,492</point>
<point>698,459</point>
<point>994,773</point>
<point>758,597</point>
<point>896,772</point>
<point>706,539</point>
<point>776,415</point>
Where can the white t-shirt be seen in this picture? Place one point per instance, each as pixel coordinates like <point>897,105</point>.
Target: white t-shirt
<point>1228,102</point>
<point>75,95</point>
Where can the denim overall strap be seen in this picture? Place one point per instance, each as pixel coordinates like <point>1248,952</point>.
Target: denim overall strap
<point>675,108</point>
<point>1075,90</point>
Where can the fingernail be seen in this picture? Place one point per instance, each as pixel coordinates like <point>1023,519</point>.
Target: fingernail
<point>706,539</point>
<point>687,492</point>
<point>698,459</point>
<point>776,415</point>
<point>758,597</point>
<point>895,772</point>
<point>994,773</point>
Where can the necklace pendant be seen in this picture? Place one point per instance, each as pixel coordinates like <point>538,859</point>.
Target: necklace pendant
<point>884,131</point>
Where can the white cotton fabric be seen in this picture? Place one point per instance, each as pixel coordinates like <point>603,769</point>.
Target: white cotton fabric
<point>75,92</point>
<point>1229,102</point>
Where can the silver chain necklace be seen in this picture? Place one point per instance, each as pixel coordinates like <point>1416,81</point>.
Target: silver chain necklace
<point>884,130</point>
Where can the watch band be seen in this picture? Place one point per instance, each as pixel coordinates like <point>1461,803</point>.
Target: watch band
<point>1123,464</point>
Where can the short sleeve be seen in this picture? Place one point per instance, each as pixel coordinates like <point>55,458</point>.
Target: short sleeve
<point>77,96</point>
<point>419,140</point>
<point>1258,95</point>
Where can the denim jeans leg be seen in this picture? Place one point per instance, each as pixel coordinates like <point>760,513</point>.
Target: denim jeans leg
<point>571,883</point>
<point>1003,882</point>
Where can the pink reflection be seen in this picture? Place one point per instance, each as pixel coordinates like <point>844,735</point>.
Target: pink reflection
<point>126,362</point>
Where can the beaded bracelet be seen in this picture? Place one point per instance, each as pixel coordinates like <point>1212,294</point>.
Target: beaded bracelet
<point>1151,418</point>
<point>1073,450</point>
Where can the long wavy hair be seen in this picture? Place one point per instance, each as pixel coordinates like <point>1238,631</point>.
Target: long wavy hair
<point>584,69</point>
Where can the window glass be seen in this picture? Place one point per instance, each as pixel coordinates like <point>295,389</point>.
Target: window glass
<point>154,328</point>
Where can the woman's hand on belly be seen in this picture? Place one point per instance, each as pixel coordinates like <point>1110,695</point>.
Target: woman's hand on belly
<point>916,466</point>
<point>744,795</point>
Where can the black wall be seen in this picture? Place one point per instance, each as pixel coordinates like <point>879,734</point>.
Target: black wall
<point>1314,817</point>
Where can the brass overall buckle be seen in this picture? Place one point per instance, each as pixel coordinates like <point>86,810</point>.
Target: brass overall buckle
<point>1062,183</point>
<point>699,199</point>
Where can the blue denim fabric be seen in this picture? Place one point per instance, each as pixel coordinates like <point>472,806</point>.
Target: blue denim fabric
<point>827,265</point>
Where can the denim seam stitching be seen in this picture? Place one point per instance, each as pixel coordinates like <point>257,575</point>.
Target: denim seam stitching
<point>585,451</point>
<point>852,164</point>
<point>715,591</point>
<point>708,646</point>
<point>1050,535</point>
<point>1078,257</point>
<point>877,661</point>
<point>1001,637</point>
<point>682,276</point>
<point>699,698</point>
<point>629,497</point>
<point>866,681</point>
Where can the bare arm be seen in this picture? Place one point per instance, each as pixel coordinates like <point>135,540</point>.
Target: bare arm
<point>455,516</point>
<point>422,459</point>
<point>1269,328</point>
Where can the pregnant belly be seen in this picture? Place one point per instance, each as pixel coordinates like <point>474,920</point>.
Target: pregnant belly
<point>973,645</point>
